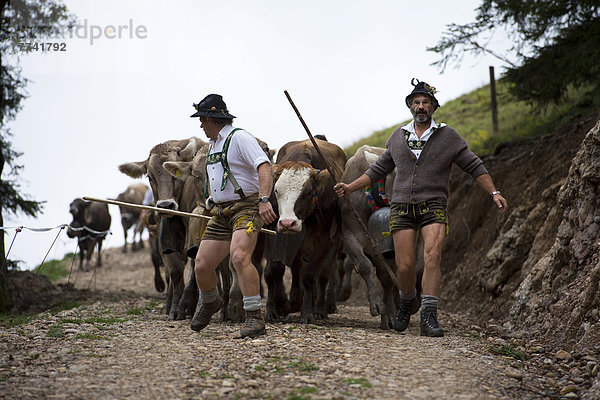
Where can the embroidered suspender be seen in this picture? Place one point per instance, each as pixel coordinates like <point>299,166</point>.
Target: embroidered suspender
<point>221,157</point>
<point>418,144</point>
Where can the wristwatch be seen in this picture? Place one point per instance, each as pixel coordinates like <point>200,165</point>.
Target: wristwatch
<point>263,199</point>
<point>495,193</point>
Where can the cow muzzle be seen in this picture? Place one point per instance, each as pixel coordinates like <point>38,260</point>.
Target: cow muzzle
<point>169,204</point>
<point>288,225</point>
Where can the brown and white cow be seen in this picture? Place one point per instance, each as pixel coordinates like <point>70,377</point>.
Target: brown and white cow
<point>90,225</point>
<point>131,217</point>
<point>169,194</point>
<point>309,230</point>
<point>382,293</point>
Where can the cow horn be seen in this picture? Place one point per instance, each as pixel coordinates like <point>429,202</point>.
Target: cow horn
<point>190,149</point>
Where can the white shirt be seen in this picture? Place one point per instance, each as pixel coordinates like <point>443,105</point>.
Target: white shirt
<point>244,156</point>
<point>410,127</point>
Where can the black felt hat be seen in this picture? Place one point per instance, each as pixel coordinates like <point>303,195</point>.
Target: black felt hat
<point>422,88</point>
<point>212,106</point>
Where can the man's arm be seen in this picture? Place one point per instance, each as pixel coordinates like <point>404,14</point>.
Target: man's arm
<point>345,189</point>
<point>486,183</point>
<point>265,185</point>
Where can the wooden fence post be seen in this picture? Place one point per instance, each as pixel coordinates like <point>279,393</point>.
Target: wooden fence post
<point>494,103</point>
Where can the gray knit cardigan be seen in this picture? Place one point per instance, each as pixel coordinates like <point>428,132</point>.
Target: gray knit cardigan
<point>425,178</point>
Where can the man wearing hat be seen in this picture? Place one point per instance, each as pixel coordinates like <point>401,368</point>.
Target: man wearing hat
<point>423,152</point>
<point>238,186</point>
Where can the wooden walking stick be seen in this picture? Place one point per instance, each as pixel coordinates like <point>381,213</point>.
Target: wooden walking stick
<point>160,210</point>
<point>379,260</point>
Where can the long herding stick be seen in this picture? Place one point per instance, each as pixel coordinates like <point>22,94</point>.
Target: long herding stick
<point>381,263</point>
<point>159,210</point>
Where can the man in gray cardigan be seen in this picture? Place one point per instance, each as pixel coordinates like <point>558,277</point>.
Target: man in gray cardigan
<point>423,152</point>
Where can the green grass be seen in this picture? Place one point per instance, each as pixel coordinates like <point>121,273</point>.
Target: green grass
<point>509,351</point>
<point>89,336</point>
<point>308,367</point>
<point>104,320</point>
<point>363,382</point>
<point>470,115</point>
<point>135,311</point>
<point>65,305</point>
<point>302,393</point>
<point>14,320</point>
<point>55,269</point>
<point>152,305</point>
<point>307,389</point>
<point>56,331</point>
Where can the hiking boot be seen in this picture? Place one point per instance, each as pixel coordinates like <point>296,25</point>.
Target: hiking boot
<point>254,325</point>
<point>429,324</point>
<point>205,312</point>
<point>406,309</point>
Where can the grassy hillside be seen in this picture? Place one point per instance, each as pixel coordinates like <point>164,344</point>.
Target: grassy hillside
<point>470,115</point>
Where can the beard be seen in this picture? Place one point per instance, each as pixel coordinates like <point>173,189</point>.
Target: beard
<point>422,118</point>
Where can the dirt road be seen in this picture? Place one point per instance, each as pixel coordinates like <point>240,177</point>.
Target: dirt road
<point>116,344</point>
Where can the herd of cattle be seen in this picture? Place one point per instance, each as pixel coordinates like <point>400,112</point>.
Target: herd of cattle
<point>318,235</point>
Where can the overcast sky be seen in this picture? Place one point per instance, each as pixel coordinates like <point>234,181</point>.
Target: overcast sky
<point>108,99</point>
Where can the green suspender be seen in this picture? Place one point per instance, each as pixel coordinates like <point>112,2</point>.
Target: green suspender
<point>221,157</point>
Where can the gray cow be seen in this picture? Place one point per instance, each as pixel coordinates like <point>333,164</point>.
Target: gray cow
<point>90,225</point>
<point>169,193</point>
<point>131,217</point>
<point>371,206</point>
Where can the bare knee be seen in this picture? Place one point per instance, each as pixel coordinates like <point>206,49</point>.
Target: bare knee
<point>405,267</point>
<point>201,267</point>
<point>239,259</point>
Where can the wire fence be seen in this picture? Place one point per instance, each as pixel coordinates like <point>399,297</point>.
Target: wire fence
<point>91,233</point>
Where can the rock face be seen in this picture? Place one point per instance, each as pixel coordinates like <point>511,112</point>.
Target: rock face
<point>559,293</point>
<point>535,270</point>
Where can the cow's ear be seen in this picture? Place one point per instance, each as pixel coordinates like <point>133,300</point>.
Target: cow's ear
<point>134,169</point>
<point>323,179</point>
<point>277,169</point>
<point>179,169</point>
<point>370,157</point>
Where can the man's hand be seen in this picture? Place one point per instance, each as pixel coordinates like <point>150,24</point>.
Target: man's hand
<point>265,210</point>
<point>500,202</point>
<point>341,189</point>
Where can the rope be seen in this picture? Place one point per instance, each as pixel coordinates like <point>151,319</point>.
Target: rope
<point>18,229</point>
<point>61,226</point>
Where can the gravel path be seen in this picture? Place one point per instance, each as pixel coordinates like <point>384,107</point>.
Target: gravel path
<point>120,346</point>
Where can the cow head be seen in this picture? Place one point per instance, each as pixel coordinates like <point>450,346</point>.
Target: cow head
<point>297,186</point>
<point>166,189</point>
<point>77,209</point>
<point>269,152</point>
<point>194,170</point>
